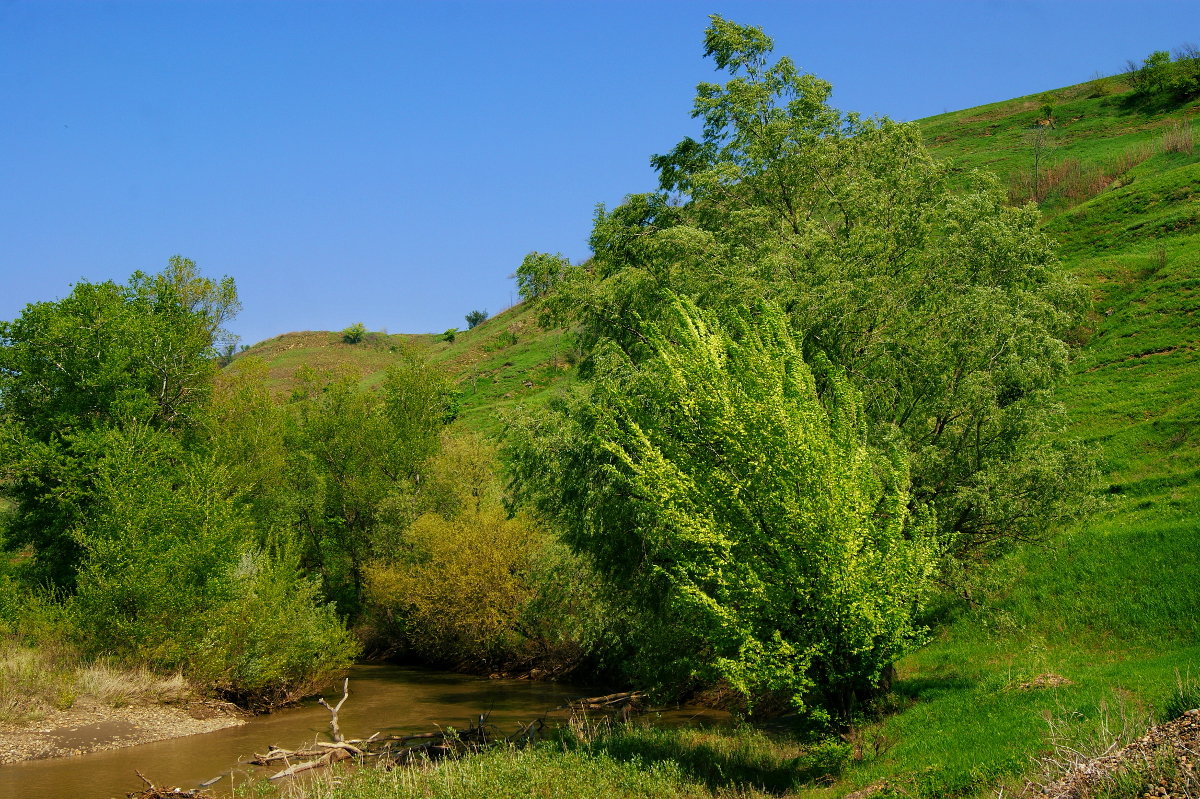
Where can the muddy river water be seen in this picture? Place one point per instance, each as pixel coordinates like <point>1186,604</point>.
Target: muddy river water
<point>382,698</point>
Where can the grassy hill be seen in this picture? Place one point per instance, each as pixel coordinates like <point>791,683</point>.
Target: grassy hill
<point>505,361</point>
<point>1063,645</point>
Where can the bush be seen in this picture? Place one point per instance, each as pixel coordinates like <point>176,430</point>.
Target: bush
<point>174,578</point>
<point>468,587</point>
<point>354,334</point>
<point>476,318</point>
<point>273,639</point>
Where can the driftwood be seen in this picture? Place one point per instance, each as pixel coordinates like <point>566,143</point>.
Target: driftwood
<point>152,791</point>
<point>392,750</point>
<point>625,699</point>
<point>333,711</point>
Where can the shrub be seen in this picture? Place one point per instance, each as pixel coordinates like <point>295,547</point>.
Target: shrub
<point>354,334</point>
<point>476,318</point>
<point>174,578</point>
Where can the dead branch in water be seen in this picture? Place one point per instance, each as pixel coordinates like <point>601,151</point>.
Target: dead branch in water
<point>333,711</point>
<point>152,791</point>
<point>392,750</point>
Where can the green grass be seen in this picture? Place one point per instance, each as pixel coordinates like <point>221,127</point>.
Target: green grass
<point>619,761</point>
<point>1113,606</point>
<point>500,366</point>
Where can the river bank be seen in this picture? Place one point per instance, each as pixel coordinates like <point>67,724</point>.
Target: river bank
<point>92,726</point>
<point>54,705</point>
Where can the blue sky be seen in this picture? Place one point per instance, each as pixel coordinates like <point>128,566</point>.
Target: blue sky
<point>391,162</point>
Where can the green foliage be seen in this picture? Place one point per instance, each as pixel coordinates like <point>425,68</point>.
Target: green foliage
<point>469,588</point>
<point>354,334</point>
<point>175,577</point>
<point>107,355</point>
<point>355,458</point>
<point>759,537</point>
<point>460,598</point>
<point>946,309</point>
<point>539,272</point>
<point>476,318</point>
<point>450,335</point>
<point>1160,76</point>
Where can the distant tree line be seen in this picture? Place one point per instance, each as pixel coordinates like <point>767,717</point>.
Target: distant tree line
<point>1163,74</point>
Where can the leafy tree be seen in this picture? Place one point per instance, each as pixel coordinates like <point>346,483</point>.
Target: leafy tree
<point>107,355</point>
<point>354,334</point>
<point>174,576</point>
<point>747,520</point>
<point>539,272</point>
<point>450,335</point>
<point>476,318</point>
<point>469,587</point>
<point>946,309</point>
<point>356,460</point>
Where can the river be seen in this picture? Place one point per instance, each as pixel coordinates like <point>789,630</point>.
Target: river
<point>387,698</point>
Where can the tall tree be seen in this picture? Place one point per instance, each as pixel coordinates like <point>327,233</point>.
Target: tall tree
<point>746,520</point>
<point>946,309</point>
<point>105,356</point>
<point>356,458</point>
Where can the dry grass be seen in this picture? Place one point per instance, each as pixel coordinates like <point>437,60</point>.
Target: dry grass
<point>36,682</point>
<point>1177,138</point>
<point>117,687</point>
<point>1074,181</point>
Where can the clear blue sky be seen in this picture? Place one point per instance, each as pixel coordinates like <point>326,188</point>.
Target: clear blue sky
<point>392,162</point>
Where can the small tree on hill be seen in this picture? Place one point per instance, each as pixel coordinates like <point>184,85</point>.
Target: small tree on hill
<point>476,318</point>
<point>539,272</point>
<point>354,334</point>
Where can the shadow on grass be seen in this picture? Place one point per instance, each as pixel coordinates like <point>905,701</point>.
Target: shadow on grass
<point>1152,104</point>
<point>723,759</point>
<point>926,688</point>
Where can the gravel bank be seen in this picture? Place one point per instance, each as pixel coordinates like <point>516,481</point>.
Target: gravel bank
<point>89,727</point>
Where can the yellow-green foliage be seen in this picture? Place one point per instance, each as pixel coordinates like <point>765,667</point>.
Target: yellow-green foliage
<point>470,587</point>
<point>753,532</point>
<point>461,598</point>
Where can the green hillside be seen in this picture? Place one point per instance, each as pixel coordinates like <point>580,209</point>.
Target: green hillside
<point>1066,643</point>
<point>503,362</point>
<point>1061,644</point>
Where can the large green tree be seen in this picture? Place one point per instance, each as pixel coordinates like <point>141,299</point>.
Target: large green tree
<point>745,519</point>
<point>947,309</point>
<point>106,356</point>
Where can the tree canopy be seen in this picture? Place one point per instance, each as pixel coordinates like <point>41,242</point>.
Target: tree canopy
<point>947,309</point>
<point>106,355</point>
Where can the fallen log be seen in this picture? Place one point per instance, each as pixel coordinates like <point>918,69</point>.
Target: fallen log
<point>623,699</point>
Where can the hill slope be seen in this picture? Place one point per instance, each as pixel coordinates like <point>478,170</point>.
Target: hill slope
<point>1085,630</point>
